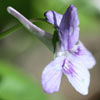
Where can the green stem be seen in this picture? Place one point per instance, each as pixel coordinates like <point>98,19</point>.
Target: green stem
<point>16,27</point>
<point>9,31</point>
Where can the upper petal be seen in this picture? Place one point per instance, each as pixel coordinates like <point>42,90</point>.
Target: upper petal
<point>68,29</point>
<point>78,75</point>
<point>51,76</point>
<point>53,17</point>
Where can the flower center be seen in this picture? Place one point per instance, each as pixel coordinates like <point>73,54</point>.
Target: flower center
<point>62,53</point>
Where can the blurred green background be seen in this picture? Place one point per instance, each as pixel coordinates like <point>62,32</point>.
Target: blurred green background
<point>23,56</point>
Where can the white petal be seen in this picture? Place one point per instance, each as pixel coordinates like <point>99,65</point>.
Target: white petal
<point>51,76</point>
<point>78,76</point>
<point>86,57</point>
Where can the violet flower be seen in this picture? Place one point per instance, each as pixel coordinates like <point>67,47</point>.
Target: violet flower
<point>71,56</point>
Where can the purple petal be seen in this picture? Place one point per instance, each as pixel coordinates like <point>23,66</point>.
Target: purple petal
<point>77,74</point>
<point>53,18</point>
<point>51,76</point>
<point>84,56</point>
<point>69,30</point>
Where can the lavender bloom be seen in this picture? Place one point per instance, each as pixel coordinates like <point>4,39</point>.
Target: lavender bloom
<point>71,56</point>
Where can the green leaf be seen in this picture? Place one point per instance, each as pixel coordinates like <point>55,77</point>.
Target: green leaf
<point>16,86</point>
